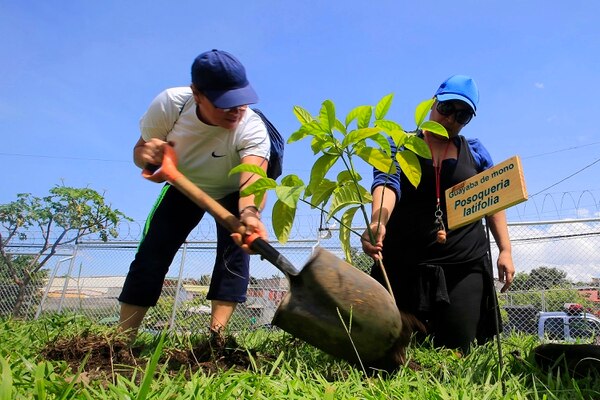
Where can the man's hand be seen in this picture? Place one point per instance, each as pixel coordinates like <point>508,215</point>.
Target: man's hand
<point>253,225</point>
<point>149,153</point>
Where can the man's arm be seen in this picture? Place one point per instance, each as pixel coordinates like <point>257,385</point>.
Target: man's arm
<point>249,212</point>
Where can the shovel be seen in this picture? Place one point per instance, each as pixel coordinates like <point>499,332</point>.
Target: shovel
<point>330,304</point>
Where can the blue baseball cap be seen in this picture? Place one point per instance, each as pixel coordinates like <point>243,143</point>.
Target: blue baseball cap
<point>459,87</point>
<point>222,78</point>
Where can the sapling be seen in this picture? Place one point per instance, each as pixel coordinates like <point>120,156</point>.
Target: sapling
<point>364,136</point>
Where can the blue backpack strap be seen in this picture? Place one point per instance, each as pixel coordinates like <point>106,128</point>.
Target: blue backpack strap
<point>275,167</point>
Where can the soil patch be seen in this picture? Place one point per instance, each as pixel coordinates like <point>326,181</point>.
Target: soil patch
<point>107,356</point>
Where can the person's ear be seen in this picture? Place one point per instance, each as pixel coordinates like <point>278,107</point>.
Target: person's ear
<point>196,93</point>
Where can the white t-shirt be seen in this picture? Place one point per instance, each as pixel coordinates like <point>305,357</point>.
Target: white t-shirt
<point>205,153</point>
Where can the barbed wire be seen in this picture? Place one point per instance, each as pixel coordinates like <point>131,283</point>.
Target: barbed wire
<point>558,205</point>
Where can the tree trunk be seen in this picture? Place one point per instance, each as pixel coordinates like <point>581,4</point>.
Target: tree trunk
<point>20,298</point>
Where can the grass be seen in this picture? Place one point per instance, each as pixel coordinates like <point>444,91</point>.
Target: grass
<point>279,367</point>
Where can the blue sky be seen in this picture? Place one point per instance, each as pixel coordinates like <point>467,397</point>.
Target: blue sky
<point>76,77</point>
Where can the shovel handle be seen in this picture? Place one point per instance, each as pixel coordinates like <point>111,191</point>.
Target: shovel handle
<point>168,172</point>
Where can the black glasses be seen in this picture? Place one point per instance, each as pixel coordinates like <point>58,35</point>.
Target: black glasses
<point>447,108</point>
<point>241,108</point>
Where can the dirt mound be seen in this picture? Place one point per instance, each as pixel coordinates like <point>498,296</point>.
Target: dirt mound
<point>107,355</point>
<point>216,354</point>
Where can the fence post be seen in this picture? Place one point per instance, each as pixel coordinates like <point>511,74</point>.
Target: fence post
<point>66,284</point>
<point>178,288</point>
<point>543,296</point>
<point>48,285</point>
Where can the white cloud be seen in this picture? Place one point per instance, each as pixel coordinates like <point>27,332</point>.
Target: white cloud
<point>539,85</point>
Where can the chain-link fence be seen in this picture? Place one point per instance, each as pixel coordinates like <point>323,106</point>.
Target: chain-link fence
<point>555,293</point>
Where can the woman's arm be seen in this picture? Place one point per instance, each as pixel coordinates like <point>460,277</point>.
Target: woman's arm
<point>384,200</point>
<point>499,229</point>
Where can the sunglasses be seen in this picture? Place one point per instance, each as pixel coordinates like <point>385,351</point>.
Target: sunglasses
<point>241,108</point>
<point>447,108</point>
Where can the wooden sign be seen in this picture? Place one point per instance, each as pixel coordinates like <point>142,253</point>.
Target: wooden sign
<point>486,193</point>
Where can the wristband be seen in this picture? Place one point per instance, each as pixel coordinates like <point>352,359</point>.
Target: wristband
<point>254,210</point>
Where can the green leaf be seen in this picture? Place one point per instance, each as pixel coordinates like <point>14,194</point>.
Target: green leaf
<point>7,381</point>
<point>358,135</point>
<point>261,185</point>
<point>302,115</point>
<point>383,142</point>
<point>320,169</point>
<point>364,117</point>
<point>417,146</point>
<point>322,143</point>
<point>340,127</point>
<point>289,195</point>
<point>387,125</point>
<point>292,180</point>
<point>283,219</point>
<point>355,113</point>
<point>322,193</point>
<point>409,163</point>
<point>258,189</point>
<point>345,231</point>
<point>151,368</point>
<point>422,110</point>
<point>254,169</point>
<point>377,159</point>
<point>309,129</point>
<point>327,115</point>
<point>348,176</point>
<point>347,195</point>
<point>40,381</point>
<point>434,127</point>
<point>383,106</point>
<point>399,138</point>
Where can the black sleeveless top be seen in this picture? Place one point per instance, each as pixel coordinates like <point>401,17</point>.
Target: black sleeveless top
<point>411,229</point>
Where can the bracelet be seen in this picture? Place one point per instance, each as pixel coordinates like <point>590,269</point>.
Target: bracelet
<point>252,206</point>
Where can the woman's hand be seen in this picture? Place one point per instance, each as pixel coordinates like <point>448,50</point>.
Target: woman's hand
<point>506,269</point>
<point>373,250</point>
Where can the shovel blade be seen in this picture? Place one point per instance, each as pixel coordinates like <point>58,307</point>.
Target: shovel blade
<point>328,291</point>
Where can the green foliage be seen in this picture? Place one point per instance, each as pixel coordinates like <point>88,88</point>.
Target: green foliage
<point>541,278</point>
<point>363,136</point>
<point>63,217</point>
<point>360,260</point>
<point>550,300</point>
<point>282,368</point>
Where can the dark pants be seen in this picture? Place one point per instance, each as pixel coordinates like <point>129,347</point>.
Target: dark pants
<point>455,325</point>
<point>455,302</point>
<point>168,225</point>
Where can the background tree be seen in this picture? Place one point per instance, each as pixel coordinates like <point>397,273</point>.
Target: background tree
<point>547,289</point>
<point>9,290</point>
<point>541,278</point>
<point>61,218</point>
